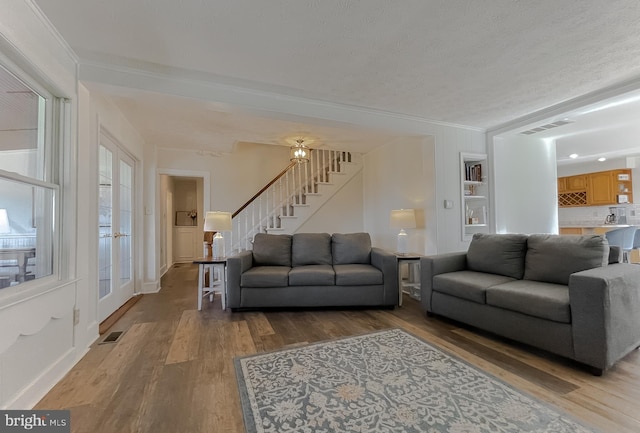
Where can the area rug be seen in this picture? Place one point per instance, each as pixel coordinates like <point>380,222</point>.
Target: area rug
<point>387,381</point>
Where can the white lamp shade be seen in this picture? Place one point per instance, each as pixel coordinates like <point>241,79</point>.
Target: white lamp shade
<point>403,219</point>
<point>4,222</point>
<point>217,221</point>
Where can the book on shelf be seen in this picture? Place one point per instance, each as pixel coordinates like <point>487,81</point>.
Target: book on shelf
<point>473,172</point>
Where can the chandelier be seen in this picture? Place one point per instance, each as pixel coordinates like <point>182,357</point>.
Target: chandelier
<point>299,152</point>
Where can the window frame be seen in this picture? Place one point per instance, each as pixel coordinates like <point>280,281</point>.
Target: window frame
<point>54,128</point>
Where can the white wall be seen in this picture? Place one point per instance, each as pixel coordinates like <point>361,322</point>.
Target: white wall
<point>395,178</point>
<point>38,343</point>
<point>342,213</point>
<point>401,175</point>
<point>233,177</point>
<point>525,187</point>
<point>419,173</point>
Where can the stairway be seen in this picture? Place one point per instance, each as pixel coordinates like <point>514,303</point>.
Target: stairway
<point>293,196</point>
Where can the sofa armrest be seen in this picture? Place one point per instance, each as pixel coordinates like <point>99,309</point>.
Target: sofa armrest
<point>236,265</point>
<point>430,266</point>
<point>387,262</point>
<point>605,313</point>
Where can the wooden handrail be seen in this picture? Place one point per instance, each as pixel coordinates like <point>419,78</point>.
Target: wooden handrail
<point>264,188</point>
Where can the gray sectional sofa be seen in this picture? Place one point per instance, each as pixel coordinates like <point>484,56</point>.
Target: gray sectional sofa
<point>563,294</point>
<point>312,270</point>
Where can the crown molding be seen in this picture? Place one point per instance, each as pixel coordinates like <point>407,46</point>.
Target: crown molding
<point>51,29</point>
<point>199,152</point>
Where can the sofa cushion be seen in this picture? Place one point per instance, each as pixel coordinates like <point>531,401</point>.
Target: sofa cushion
<point>501,254</point>
<point>469,285</point>
<point>357,275</point>
<point>534,298</point>
<point>271,250</point>
<point>615,254</point>
<point>351,248</point>
<point>266,276</point>
<point>553,258</point>
<point>311,249</point>
<point>312,275</point>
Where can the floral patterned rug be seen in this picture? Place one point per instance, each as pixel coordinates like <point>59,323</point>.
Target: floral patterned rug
<point>387,381</point>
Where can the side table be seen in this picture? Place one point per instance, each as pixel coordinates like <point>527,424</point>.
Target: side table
<point>408,282</point>
<point>213,265</point>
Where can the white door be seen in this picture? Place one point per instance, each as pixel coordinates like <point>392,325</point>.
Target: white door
<point>116,205</point>
<point>169,230</point>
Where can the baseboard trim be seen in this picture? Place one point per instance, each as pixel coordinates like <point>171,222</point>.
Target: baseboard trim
<point>33,393</point>
<point>153,287</point>
<point>116,315</point>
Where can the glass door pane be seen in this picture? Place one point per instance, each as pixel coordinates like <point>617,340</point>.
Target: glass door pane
<point>126,217</point>
<point>105,222</point>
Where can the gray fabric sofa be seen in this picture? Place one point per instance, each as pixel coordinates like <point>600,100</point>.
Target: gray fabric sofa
<point>564,294</point>
<point>312,270</point>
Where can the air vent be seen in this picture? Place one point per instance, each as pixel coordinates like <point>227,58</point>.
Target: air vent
<point>546,127</point>
<point>112,337</point>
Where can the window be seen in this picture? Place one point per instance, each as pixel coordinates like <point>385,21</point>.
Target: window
<point>28,188</point>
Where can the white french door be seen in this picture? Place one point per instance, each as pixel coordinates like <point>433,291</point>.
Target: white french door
<point>116,215</point>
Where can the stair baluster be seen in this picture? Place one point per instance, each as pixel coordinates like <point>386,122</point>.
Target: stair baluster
<point>277,201</point>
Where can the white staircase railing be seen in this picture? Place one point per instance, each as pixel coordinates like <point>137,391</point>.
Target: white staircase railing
<point>278,200</point>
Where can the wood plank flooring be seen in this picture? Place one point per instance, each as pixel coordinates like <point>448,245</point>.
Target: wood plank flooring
<point>172,368</point>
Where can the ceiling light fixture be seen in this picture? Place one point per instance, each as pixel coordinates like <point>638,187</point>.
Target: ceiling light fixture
<point>573,156</point>
<point>299,152</point>
<point>602,159</point>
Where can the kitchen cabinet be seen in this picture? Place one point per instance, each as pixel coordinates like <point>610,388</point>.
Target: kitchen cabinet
<point>596,189</point>
<point>570,230</point>
<point>474,194</point>
<point>589,230</point>
<point>601,190</point>
<point>572,183</point>
<point>577,183</point>
<point>562,185</point>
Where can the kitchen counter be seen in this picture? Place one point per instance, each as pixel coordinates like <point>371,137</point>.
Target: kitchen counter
<point>592,226</point>
<point>589,229</point>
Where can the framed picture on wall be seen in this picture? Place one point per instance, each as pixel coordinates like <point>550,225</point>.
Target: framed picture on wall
<point>185,218</point>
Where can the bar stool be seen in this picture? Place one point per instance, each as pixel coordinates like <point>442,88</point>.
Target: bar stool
<point>625,238</point>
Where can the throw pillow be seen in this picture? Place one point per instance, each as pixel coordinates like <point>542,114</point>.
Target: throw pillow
<point>501,254</point>
<point>311,249</point>
<point>351,248</point>
<point>272,250</point>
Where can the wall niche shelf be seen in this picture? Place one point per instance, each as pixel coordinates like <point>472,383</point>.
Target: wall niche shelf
<point>474,194</point>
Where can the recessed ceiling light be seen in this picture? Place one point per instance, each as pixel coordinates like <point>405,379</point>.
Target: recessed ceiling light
<point>573,156</point>
<point>602,159</point>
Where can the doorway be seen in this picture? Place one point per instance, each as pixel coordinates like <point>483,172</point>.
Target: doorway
<point>188,218</point>
<point>116,229</point>
<point>178,242</point>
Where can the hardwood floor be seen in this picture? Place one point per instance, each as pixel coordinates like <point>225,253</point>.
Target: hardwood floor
<point>172,368</point>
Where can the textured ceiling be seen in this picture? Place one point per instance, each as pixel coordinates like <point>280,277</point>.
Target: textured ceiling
<point>468,62</point>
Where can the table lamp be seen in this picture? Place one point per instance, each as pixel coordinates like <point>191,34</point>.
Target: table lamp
<point>217,222</point>
<point>403,219</point>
